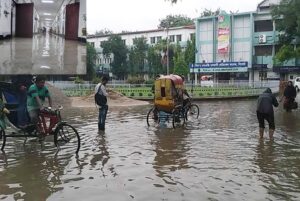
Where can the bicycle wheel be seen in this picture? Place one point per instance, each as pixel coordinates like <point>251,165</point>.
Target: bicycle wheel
<point>153,117</point>
<point>192,112</point>
<point>178,119</point>
<point>67,138</point>
<point>2,138</point>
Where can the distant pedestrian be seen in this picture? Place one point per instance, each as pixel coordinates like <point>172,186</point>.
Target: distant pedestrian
<point>101,101</point>
<point>289,96</point>
<point>265,111</point>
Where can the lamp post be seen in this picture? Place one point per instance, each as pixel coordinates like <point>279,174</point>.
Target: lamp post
<point>168,50</point>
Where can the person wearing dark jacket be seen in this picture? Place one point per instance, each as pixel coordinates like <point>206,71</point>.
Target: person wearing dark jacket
<point>265,111</point>
<point>289,95</point>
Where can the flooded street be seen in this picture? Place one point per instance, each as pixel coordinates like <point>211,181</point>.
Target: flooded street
<point>218,157</point>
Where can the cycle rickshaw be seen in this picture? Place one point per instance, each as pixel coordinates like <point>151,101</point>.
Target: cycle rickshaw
<point>168,103</point>
<point>50,122</point>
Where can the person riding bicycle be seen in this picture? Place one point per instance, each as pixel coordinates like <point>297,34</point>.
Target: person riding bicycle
<point>36,96</point>
<point>185,95</point>
<point>3,111</point>
<point>289,95</point>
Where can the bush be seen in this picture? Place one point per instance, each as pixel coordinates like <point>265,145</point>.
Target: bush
<point>149,82</point>
<point>78,80</point>
<point>135,80</point>
<point>96,80</point>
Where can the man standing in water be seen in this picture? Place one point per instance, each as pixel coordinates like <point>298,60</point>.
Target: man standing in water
<point>103,107</point>
<point>265,111</point>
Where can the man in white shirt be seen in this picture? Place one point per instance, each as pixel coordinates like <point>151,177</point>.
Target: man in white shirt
<point>100,88</point>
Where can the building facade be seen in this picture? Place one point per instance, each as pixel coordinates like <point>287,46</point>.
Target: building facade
<point>240,46</point>
<point>175,35</point>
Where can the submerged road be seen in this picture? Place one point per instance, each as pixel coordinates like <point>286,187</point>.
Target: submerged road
<point>218,157</point>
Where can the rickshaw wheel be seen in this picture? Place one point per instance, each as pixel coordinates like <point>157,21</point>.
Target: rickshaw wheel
<point>178,118</point>
<point>192,112</point>
<point>2,138</point>
<point>66,137</point>
<point>153,117</point>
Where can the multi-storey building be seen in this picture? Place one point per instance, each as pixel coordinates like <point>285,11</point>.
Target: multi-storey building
<point>174,34</point>
<point>241,46</point>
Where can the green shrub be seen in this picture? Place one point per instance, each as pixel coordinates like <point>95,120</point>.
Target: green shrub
<point>96,80</point>
<point>135,80</point>
<point>78,80</point>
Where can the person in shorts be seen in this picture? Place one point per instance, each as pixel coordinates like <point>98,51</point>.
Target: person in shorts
<point>265,111</point>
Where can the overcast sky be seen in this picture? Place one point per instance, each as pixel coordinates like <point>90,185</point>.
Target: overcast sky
<point>138,15</point>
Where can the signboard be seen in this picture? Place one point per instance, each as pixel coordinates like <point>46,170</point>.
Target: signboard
<point>219,67</point>
<point>286,69</point>
<point>223,33</point>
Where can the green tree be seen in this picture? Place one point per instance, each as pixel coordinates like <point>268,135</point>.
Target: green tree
<point>287,18</point>
<point>180,66</point>
<point>114,45</point>
<point>154,61</point>
<point>91,62</point>
<point>137,56</point>
<point>208,13</point>
<point>175,21</point>
<point>103,32</point>
<point>190,51</point>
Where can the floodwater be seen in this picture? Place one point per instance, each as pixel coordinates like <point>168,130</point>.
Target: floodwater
<point>218,157</point>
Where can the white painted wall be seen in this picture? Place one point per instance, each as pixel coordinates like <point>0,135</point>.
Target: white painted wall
<point>184,32</point>
<point>5,21</point>
<point>185,36</point>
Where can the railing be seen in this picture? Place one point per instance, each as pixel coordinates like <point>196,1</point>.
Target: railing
<point>221,89</point>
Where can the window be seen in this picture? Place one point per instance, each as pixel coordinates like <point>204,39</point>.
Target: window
<point>172,38</point>
<point>93,44</point>
<point>178,38</point>
<point>265,50</point>
<point>124,42</point>
<point>263,25</point>
<point>158,38</point>
<point>152,40</point>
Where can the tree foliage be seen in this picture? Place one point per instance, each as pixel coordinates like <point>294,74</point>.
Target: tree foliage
<point>117,47</point>
<point>208,12</point>
<point>90,64</point>
<point>137,55</point>
<point>103,32</point>
<point>154,61</point>
<point>190,51</point>
<point>180,64</point>
<point>175,21</point>
<point>287,18</point>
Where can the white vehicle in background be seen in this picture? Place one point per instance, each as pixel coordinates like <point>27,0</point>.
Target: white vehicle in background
<point>207,81</point>
<point>297,84</point>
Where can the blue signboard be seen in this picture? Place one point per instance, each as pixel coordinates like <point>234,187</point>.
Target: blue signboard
<point>219,67</point>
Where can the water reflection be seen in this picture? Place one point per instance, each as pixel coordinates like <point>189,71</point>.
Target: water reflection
<point>35,176</point>
<point>42,54</point>
<point>171,149</point>
<point>266,156</point>
<point>209,159</point>
<point>101,155</point>
<point>280,164</point>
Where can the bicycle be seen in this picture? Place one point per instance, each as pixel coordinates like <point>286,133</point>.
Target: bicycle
<point>191,110</point>
<point>49,123</point>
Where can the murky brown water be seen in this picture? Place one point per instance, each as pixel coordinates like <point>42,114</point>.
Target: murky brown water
<point>218,157</point>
